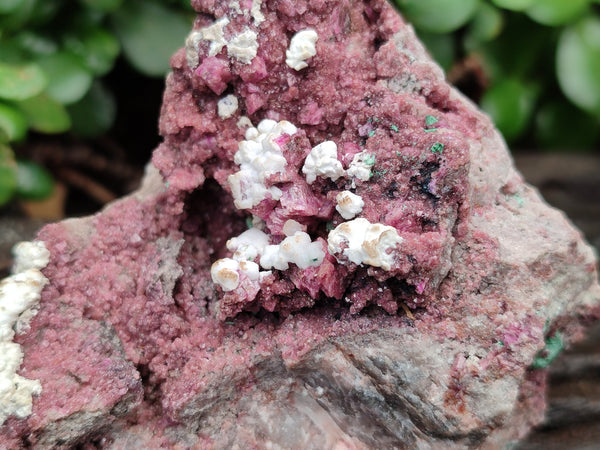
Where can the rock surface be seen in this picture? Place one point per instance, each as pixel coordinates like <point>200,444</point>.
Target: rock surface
<point>134,345</point>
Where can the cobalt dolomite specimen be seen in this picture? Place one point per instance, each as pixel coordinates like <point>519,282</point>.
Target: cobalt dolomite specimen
<point>424,317</point>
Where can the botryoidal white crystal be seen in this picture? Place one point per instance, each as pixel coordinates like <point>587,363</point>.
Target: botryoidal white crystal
<point>19,296</point>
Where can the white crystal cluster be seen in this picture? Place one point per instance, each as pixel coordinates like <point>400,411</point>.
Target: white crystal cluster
<point>226,272</point>
<point>302,47</point>
<point>362,242</point>
<point>259,156</point>
<point>361,166</point>
<point>357,241</point>
<point>255,12</point>
<point>322,161</point>
<point>227,106</point>
<point>19,296</point>
<point>242,46</point>
<point>349,204</point>
<point>297,249</point>
<point>214,34</point>
<point>253,244</point>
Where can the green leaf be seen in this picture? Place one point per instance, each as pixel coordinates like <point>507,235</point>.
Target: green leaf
<point>13,122</point>
<point>8,174</point>
<point>19,16</point>
<point>562,126</point>
<point>578,64</point>
<point>45,114</point>
<point>485,26</point>
<point>557,12</point>
<point>35,43</point>
<point>18,82</point>
<point>33,181</point>
<point>150,34</point>
<point>85,18</point>
<point>515,5</point>
<point>11,52</point>
<point>438,16</point>
<point>102,5</point>
<point>95,113</point>
<point>441,47</point>
<point>510,104</point>
<point>8,6</point>
<point>45,13</point>
<point>182,4</point>
<point>523,49</point>
<point>96,48</point>
<point>29,14</point>
<point>68,79</point>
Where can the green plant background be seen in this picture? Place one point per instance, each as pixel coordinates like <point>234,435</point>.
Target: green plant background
<point>535,63</point>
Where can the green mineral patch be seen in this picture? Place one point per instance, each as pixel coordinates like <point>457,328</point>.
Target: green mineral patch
<point>437,147</point>
<point>430,120</point>
<point>369,160</point>
<point>554,345</point>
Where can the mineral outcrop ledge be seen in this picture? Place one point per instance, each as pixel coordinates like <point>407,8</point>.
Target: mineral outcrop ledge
<point>400,287</point>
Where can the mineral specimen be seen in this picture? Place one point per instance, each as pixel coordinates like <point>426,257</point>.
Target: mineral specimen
<point>336,254</point>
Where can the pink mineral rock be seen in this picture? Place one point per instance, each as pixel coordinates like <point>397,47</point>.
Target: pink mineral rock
<point>332,249</point>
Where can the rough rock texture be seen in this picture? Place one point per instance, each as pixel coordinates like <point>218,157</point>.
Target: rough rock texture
<point>447,349</point>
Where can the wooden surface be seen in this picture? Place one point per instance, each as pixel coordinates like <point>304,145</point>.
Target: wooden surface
<point>571,183</point>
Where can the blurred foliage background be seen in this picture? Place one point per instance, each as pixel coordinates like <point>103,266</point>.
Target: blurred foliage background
<point>81,80</point>
<point>67,68</point>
